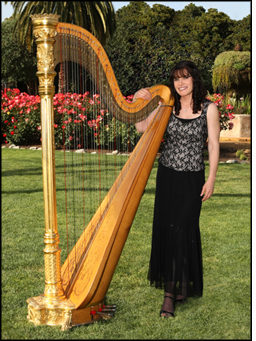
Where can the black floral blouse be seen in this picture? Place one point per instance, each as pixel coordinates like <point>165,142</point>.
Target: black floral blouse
<point>185,142</point>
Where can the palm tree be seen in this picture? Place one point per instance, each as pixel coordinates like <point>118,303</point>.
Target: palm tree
<point>97,17</point>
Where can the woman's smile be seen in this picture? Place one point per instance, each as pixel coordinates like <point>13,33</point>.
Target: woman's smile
<point>184,85</point>
<point>182,88</point>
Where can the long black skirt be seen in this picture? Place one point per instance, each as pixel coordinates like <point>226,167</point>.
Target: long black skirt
<point>176,254</point>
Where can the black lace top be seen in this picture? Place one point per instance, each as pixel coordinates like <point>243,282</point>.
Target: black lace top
<point>185,142</point>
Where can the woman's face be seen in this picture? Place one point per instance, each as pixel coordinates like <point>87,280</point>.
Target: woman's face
<point>183,83</point>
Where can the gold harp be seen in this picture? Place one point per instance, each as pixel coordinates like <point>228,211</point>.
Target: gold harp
<point>74,293</point>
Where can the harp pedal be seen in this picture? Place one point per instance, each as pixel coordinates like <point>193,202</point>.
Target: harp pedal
<point>107,311</point>
<point>110,307</point>
<point>105,315</point>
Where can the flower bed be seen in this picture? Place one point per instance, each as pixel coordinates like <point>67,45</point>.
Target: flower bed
<point>226,112</point>
<point>76,115</point>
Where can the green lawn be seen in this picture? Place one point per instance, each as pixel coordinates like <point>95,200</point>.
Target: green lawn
<point>224,311</point>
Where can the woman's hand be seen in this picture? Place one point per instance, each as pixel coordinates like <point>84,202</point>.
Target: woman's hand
<point>207,189</point>
<point>146,95</point>
<point>142,93</point>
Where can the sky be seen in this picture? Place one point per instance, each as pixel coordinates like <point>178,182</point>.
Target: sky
<point>236,10</point>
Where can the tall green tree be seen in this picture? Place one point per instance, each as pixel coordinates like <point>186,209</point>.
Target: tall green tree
<point>241,34</point>
<point>98,17</point>
<point>183,32</point>
<point>199,36</point>
<point>140,49</point>
<point>18,64</point>
<point>149,41</point>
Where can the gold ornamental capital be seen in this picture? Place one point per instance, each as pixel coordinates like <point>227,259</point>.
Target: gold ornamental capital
<point>45,18</point>
<point>44,25</point>
<point>45,29</point>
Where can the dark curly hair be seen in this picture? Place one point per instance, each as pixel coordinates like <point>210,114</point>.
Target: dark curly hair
<point>183,69</point>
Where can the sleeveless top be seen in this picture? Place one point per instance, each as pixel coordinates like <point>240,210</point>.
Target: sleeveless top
<point>185,142</point>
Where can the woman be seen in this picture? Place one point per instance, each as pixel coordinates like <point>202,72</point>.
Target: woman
<point>176,254</point>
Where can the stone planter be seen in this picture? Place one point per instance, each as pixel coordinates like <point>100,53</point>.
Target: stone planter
<point>242,127</point>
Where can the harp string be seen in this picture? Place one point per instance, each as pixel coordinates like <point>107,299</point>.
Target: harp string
<point>78,51</point>
<point>76,166</point>
<point>62,91</point>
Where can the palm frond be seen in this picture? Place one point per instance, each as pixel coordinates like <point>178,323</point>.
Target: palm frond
<point>98,17</point>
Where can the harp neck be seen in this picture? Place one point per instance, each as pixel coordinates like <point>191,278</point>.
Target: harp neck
<point>82,40</point>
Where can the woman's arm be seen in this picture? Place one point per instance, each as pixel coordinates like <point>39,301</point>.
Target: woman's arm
<point>144,94</point>
<point>213,149</point>
<point>142,125</point>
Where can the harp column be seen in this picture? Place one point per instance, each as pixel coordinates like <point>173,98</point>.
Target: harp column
<point>52,307</point>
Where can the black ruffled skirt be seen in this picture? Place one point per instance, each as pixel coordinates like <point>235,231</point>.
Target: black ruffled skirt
<point>176,254</point>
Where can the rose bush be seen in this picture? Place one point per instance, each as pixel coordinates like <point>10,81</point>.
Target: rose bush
<point>20,117</point>
<point>226,111</point>
<point>79,120</point>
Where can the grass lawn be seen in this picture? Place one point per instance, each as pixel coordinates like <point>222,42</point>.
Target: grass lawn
<point>224,311</point>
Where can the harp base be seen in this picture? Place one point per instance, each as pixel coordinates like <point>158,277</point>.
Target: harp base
<point>41,313</point>
<point>64,314</point>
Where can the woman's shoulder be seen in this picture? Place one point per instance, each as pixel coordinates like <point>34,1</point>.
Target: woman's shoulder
<point>207,102</point>
<point>211,109</point>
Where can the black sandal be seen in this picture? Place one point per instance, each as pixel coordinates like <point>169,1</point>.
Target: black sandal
<point>181,301</point>
<point>167,312</point>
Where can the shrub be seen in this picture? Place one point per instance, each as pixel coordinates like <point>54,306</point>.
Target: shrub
<point>239,153</point>
<point>75,115</point>
<point>20,118</point>
<point>226,113</point>
<point>232,72</point>
<point>243,157</point>
<point>242,105</point>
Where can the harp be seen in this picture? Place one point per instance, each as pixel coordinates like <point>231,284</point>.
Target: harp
<point>74,292</point>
